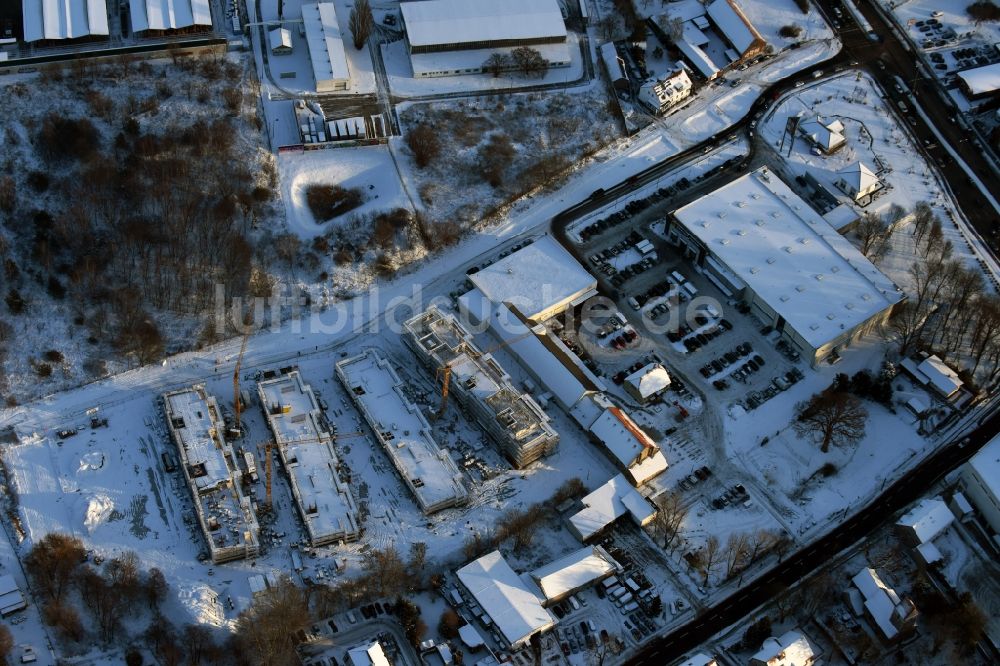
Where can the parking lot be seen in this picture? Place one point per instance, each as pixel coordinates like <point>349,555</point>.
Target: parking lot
<point>671,313</point>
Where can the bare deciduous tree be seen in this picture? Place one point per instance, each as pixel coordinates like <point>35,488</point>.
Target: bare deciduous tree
<point>53,561</point>
<point>710,557</point>
<point>497,64</point>
<point>424,142</point>
<point>832,417</point>
<point>267,629</point>
<point>670,515</point>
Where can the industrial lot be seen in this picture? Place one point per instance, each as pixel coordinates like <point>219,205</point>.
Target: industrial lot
<point>533,332</point>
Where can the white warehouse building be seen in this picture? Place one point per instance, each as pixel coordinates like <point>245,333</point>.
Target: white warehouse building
<point>453,37</point>
<point>51,20</point>
<point>326,47</point>
<point>166,17</point>
<point>755,239</point>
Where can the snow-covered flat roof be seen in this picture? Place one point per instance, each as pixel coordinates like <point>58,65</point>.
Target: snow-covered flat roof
<point>169,14</point>
<point>789,256</point>
<point>981,80</point>
<point>790,649</point>
<point>427,470</point>
<point>434,22</point>
<point>573,571</point>
<point>515,610</point>
<point>63,19</point>
<point>732,24</point>
<point>986,464</point>
<point>608,503</point>
<point>700,659</point>
<point>325,42</point>
<point>927,519</point>
<point>197,427</point>
<point>210,469</point>
<point>325,504</point>
<point>536,278</point>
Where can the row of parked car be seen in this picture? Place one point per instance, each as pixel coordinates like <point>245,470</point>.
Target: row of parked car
<point>727,359</point>
<point>691,480</point>
<point>734,495</point>
<point>694,342</point>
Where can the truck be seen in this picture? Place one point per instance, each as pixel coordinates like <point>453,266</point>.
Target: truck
<point>251,466</point>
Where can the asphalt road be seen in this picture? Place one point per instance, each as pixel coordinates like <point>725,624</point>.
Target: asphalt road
<point>881,510</point>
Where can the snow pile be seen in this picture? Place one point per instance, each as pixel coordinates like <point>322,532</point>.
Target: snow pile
<point>202,604</point>
<point>91,461</point>
<point>97,512</point>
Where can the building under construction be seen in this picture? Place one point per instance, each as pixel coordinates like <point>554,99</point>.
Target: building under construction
<point>305,447</point>
<point>426,469</point>
<point>226,516</point>
<point>513,419</point>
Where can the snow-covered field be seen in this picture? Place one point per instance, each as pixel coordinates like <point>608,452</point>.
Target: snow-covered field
<point>370,169</point>
<point>876,136</point>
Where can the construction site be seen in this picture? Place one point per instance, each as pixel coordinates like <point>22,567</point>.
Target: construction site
<point>512,418</point>
<point>305,448</point>
<point>405,435</point>
<point>209,465</point>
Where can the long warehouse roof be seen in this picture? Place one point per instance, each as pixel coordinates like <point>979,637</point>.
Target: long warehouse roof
<point>169,14</point>
<point>461,21</point>
<point>64,19</point>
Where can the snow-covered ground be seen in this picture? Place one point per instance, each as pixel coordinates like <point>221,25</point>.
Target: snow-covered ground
<point>876,136</point>
<point>370,169</point>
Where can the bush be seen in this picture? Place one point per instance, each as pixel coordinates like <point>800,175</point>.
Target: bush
<point>15,302</point>
<point>38,181</point>
<point>790,31</point>
<point>43,370</point>
<point>54,356</point>
<point>328,201</point>
<point>61,138</point>
<point>8,194</point>
<point>423,141</point>
<point>828,469</point>
<point>983,11</point>
<point>449,623</point>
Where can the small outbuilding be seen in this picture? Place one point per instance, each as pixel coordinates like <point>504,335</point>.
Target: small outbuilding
<point>858,181</point>
<point>281,41</point>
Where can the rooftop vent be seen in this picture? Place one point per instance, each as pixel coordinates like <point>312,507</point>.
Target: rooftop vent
<point>783,298</point>
<point>866,297</point>
<point>819,276</point>
<point>814,327</point>
<point>742,232</point>
<point>788,249</point>
<point>759,222</point>
<point>775,214</point>
<point>804,241</point>
<point>724,241</point>
<point>722,214</point>
<point>830,317</point>
<point>755,195</point>
<point>754,270</point>
<point>835,269</point>
<point>771,260</point>
<point>741,204</point>
<point>799,288</point>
